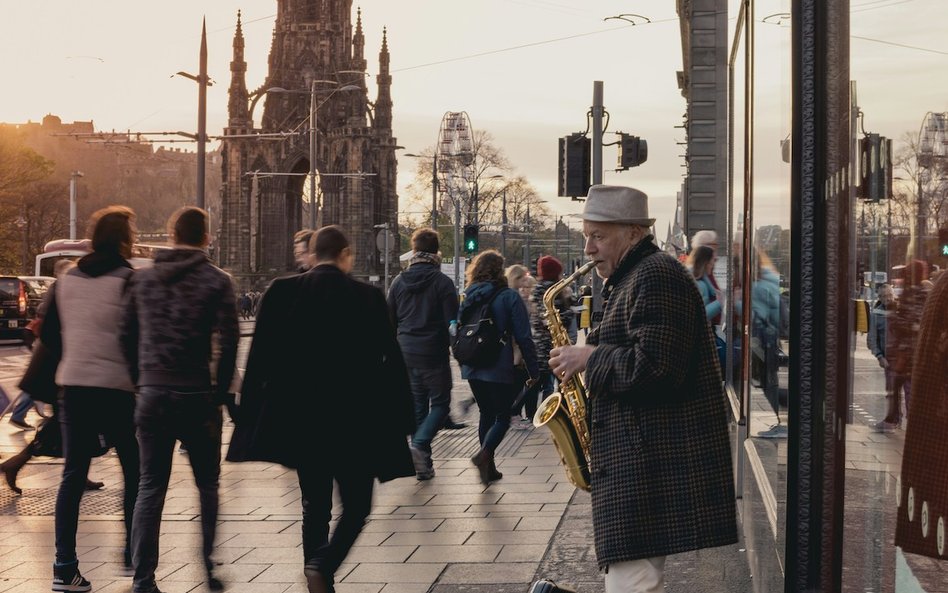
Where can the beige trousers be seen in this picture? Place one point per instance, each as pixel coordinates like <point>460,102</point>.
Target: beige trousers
<point>636,576</point>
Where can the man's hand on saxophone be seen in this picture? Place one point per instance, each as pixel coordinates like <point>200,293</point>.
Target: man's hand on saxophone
<point>566,361</point>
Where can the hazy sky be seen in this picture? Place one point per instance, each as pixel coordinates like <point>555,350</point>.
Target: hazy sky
<point>111,61</point>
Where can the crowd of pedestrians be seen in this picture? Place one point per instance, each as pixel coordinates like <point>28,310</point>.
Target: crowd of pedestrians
<point>369,381</point>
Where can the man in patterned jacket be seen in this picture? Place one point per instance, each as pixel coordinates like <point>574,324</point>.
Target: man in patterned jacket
<point>660,461</point>
<point>176,309</point>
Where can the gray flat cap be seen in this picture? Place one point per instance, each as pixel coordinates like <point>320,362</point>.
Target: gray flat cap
<point>615,203</point>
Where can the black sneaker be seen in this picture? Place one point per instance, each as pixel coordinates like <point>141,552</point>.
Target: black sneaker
<point>22,425</point>
<point>66,577</point>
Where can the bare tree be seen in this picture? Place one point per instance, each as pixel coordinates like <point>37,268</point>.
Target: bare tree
<point>920,193</point>
<point>492,178</point>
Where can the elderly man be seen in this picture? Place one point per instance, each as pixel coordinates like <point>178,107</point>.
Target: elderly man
<point>660,461</point>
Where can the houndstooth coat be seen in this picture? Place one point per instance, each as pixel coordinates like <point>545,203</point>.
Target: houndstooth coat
<point>660,457</point>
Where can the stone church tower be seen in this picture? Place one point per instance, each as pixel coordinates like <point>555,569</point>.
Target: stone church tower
<point>264,201</point>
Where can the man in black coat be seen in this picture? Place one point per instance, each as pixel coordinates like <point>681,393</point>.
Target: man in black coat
<point>660,460</point>
<point>326,392</point>
<point>422,302</point>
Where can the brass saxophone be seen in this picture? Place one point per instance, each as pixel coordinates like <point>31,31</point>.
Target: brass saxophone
<point>564,412</point>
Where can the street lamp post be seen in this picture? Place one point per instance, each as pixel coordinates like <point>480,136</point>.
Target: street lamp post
<point>73,179</point>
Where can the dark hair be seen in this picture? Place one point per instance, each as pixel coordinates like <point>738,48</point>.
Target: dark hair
<point>700,259</point>
<point>188,226</point>
<point>487,267</point>
<point>425,240</point>
<point>304,236</point>
<point>113,230</point>
<point>328,242</point>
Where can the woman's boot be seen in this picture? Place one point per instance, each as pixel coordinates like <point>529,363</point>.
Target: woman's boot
<point>11,467</point>
<point>494,474</point>
<point>483,460</point>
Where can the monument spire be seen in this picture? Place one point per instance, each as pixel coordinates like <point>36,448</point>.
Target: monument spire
<point>237,108</point>
<point>383,104</point>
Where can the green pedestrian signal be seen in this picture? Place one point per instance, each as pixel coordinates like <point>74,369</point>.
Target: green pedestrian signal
<point>470,238</point>
<point>943,241</point>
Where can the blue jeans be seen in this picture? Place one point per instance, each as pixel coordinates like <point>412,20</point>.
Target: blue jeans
<point>164,415</point>
<point>432,391</point>
<point>494,401</point>
<point>92,419</point>
<point>22,407</point>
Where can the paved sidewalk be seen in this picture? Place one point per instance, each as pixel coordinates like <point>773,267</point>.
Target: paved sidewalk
<point>447,535</point>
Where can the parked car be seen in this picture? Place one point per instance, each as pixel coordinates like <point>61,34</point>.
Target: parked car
<point>19,298</point>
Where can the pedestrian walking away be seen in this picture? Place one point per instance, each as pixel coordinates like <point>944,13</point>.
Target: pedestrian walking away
<point>661,477</point>
<point>48,441</point>
<point>324,349</point>
<point>494,382</point>
<point>82,327</point>
<point>176,309</point>
<point>422,303</point>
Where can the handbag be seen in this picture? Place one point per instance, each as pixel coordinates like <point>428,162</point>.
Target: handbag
<point>39,380</point>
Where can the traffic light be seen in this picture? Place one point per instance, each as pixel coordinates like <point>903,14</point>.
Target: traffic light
<point>470,238</point>
<point>575,165</point>
<point>943,242</point>
<point>633,151</point>
<point>875,166</point>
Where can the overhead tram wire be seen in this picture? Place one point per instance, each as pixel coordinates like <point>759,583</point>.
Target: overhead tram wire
<point>533,44</point>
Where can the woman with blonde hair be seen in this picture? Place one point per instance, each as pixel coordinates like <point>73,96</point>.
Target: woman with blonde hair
<point>495,385</point>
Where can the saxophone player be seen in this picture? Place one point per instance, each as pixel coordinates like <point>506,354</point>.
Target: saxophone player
<point>661,477</point>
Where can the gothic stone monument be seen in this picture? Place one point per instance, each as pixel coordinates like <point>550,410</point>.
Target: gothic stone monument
<point>263,200</point>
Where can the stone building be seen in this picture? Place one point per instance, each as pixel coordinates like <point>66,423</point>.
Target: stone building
<point>264,200</point>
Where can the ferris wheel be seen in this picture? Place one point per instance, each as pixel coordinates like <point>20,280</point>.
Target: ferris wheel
<point>932,141</point>
<point>455,153</point>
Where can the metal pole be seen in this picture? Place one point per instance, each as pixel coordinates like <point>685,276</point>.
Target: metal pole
<point>314,222</point>
<point>202,118</point>
<point>526,248</point>
<point>503,225</point>
<point>73,190</point>
<point>386,231</point>
<point>434,193</point>
<point>598,111</point>
<point>457,242</point>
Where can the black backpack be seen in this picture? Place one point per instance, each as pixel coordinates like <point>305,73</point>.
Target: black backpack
<point>478,342</point>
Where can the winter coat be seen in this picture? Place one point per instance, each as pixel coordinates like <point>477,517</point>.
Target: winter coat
<point>422,302</point>
<point>922,499</point>
<point>325,383</point>
<point>712,306</point>
<point>539,322</point>
<point>84,322</point>
<point>174,309</point>
<point>903,329</point>
<point>876,336</point>
<point>513,321</point>
<point>662,481</point>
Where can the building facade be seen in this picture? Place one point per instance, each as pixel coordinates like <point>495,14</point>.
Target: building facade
<point>316,55</point>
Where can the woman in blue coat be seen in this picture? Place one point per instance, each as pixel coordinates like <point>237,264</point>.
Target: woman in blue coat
<point>495,386</point>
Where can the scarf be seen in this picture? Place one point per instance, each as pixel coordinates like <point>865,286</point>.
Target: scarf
<point>423,257</point>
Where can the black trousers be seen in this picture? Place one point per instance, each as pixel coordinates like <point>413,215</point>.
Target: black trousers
<point>165,415</point>
<point>320,552</point>
<point>92,420</point>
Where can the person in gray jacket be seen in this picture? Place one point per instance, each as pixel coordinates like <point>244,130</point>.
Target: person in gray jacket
<point>422,303</point>
<point>98,400</point>
<point>176,309</point>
